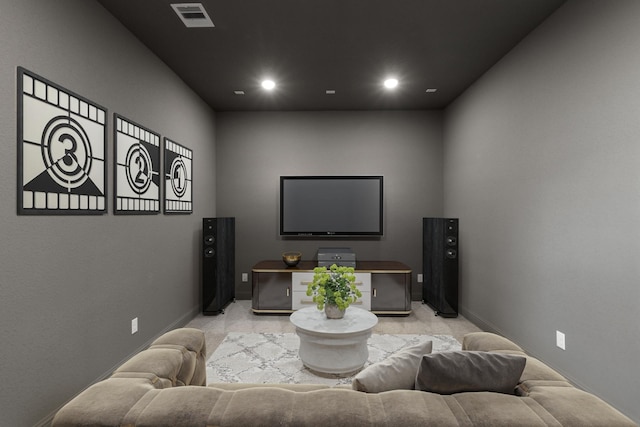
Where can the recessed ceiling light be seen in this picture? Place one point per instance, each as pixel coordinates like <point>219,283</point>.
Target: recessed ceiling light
<point>390,83</point>
<point>431,90</point>
<point>330,92</point>
<point>238,92</point>
<point>268,84</point>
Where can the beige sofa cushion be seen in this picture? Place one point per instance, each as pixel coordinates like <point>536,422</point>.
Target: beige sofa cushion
<point>331,407</point>
<point>274,406</point>
<point>574,407</point>
<point>103,404</point>
<point>396,372</point>
<point>467,371</point>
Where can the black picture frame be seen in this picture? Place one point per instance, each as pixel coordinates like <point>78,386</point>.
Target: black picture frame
<point>136,168</point>
<point>62,150</point>
<point>178,178</point>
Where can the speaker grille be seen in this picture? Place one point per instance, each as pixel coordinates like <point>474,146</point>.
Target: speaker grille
<point>218,264</point>
<point>440,265</point>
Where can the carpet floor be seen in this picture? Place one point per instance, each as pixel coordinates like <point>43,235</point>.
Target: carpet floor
<point>273,357</point>
<point>238,317</point>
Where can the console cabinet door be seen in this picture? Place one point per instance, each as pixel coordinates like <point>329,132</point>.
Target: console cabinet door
<point>272,291</point>
<point>300,281</point>
<point>391,292</point>
<point>299,284</point>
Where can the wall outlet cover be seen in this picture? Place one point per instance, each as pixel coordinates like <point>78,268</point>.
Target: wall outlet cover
<point>560,342</point>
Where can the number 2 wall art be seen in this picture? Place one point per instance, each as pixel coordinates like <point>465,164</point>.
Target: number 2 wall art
<point>137,172</point>
<point>61,150</point>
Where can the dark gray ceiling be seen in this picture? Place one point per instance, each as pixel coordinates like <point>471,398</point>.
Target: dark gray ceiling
<point>350,46</point>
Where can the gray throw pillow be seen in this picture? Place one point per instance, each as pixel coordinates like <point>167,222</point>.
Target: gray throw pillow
<point>460,371</point>
<point>396,372</point>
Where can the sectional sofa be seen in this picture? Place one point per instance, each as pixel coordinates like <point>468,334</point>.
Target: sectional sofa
<point>165,385</point>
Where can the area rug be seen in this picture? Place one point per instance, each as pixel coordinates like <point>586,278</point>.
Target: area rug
<point>273,357</point>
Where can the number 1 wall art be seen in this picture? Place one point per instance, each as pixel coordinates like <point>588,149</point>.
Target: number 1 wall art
<point>61,150</point>
<point>178,178</point>
<point>137,172</point>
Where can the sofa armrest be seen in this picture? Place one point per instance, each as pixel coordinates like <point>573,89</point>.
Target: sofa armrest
<point>487,341</point>
<point>191,342</point>
<point>190,338</point>
<point>177,358</point>
<point>534,370</point>
<point>172,365</point>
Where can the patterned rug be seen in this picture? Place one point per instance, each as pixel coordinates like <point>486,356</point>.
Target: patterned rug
<point>273,358</point>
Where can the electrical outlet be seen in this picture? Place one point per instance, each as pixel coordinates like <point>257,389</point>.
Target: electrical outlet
<point>134,325</point>
<point>560,340</point>
<point>245,277</point>
<point>419,278</point>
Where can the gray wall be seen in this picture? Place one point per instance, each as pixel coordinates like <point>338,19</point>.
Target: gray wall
<point>255,149</point>
<point>69,286</point>
<point>542,161</point>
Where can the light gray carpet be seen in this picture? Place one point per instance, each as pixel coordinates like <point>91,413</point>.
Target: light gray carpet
<point>273,357</point>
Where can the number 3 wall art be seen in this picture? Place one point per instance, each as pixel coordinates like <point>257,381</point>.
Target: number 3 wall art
<point>61,150</point>
<point>137,172</point>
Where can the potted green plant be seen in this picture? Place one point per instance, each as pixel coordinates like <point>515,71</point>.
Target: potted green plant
<point>333,289</point>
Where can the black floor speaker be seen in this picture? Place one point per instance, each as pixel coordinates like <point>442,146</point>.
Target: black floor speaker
<point>218,264</point>
<point>440,265</point>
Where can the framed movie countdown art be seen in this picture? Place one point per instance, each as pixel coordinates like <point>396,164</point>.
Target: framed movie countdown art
<point>61,150</point>
<point>178,178</point>
<point>137,170</point>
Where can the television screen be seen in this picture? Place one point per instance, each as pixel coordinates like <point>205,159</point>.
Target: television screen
<point>331,205</point>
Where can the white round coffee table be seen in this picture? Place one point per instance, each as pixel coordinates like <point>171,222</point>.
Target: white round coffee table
<point>334,346</point>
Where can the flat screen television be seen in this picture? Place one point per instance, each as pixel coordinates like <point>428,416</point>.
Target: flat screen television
<point>331,206</point>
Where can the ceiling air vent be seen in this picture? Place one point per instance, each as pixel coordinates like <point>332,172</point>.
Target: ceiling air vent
<point>192,15</point>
